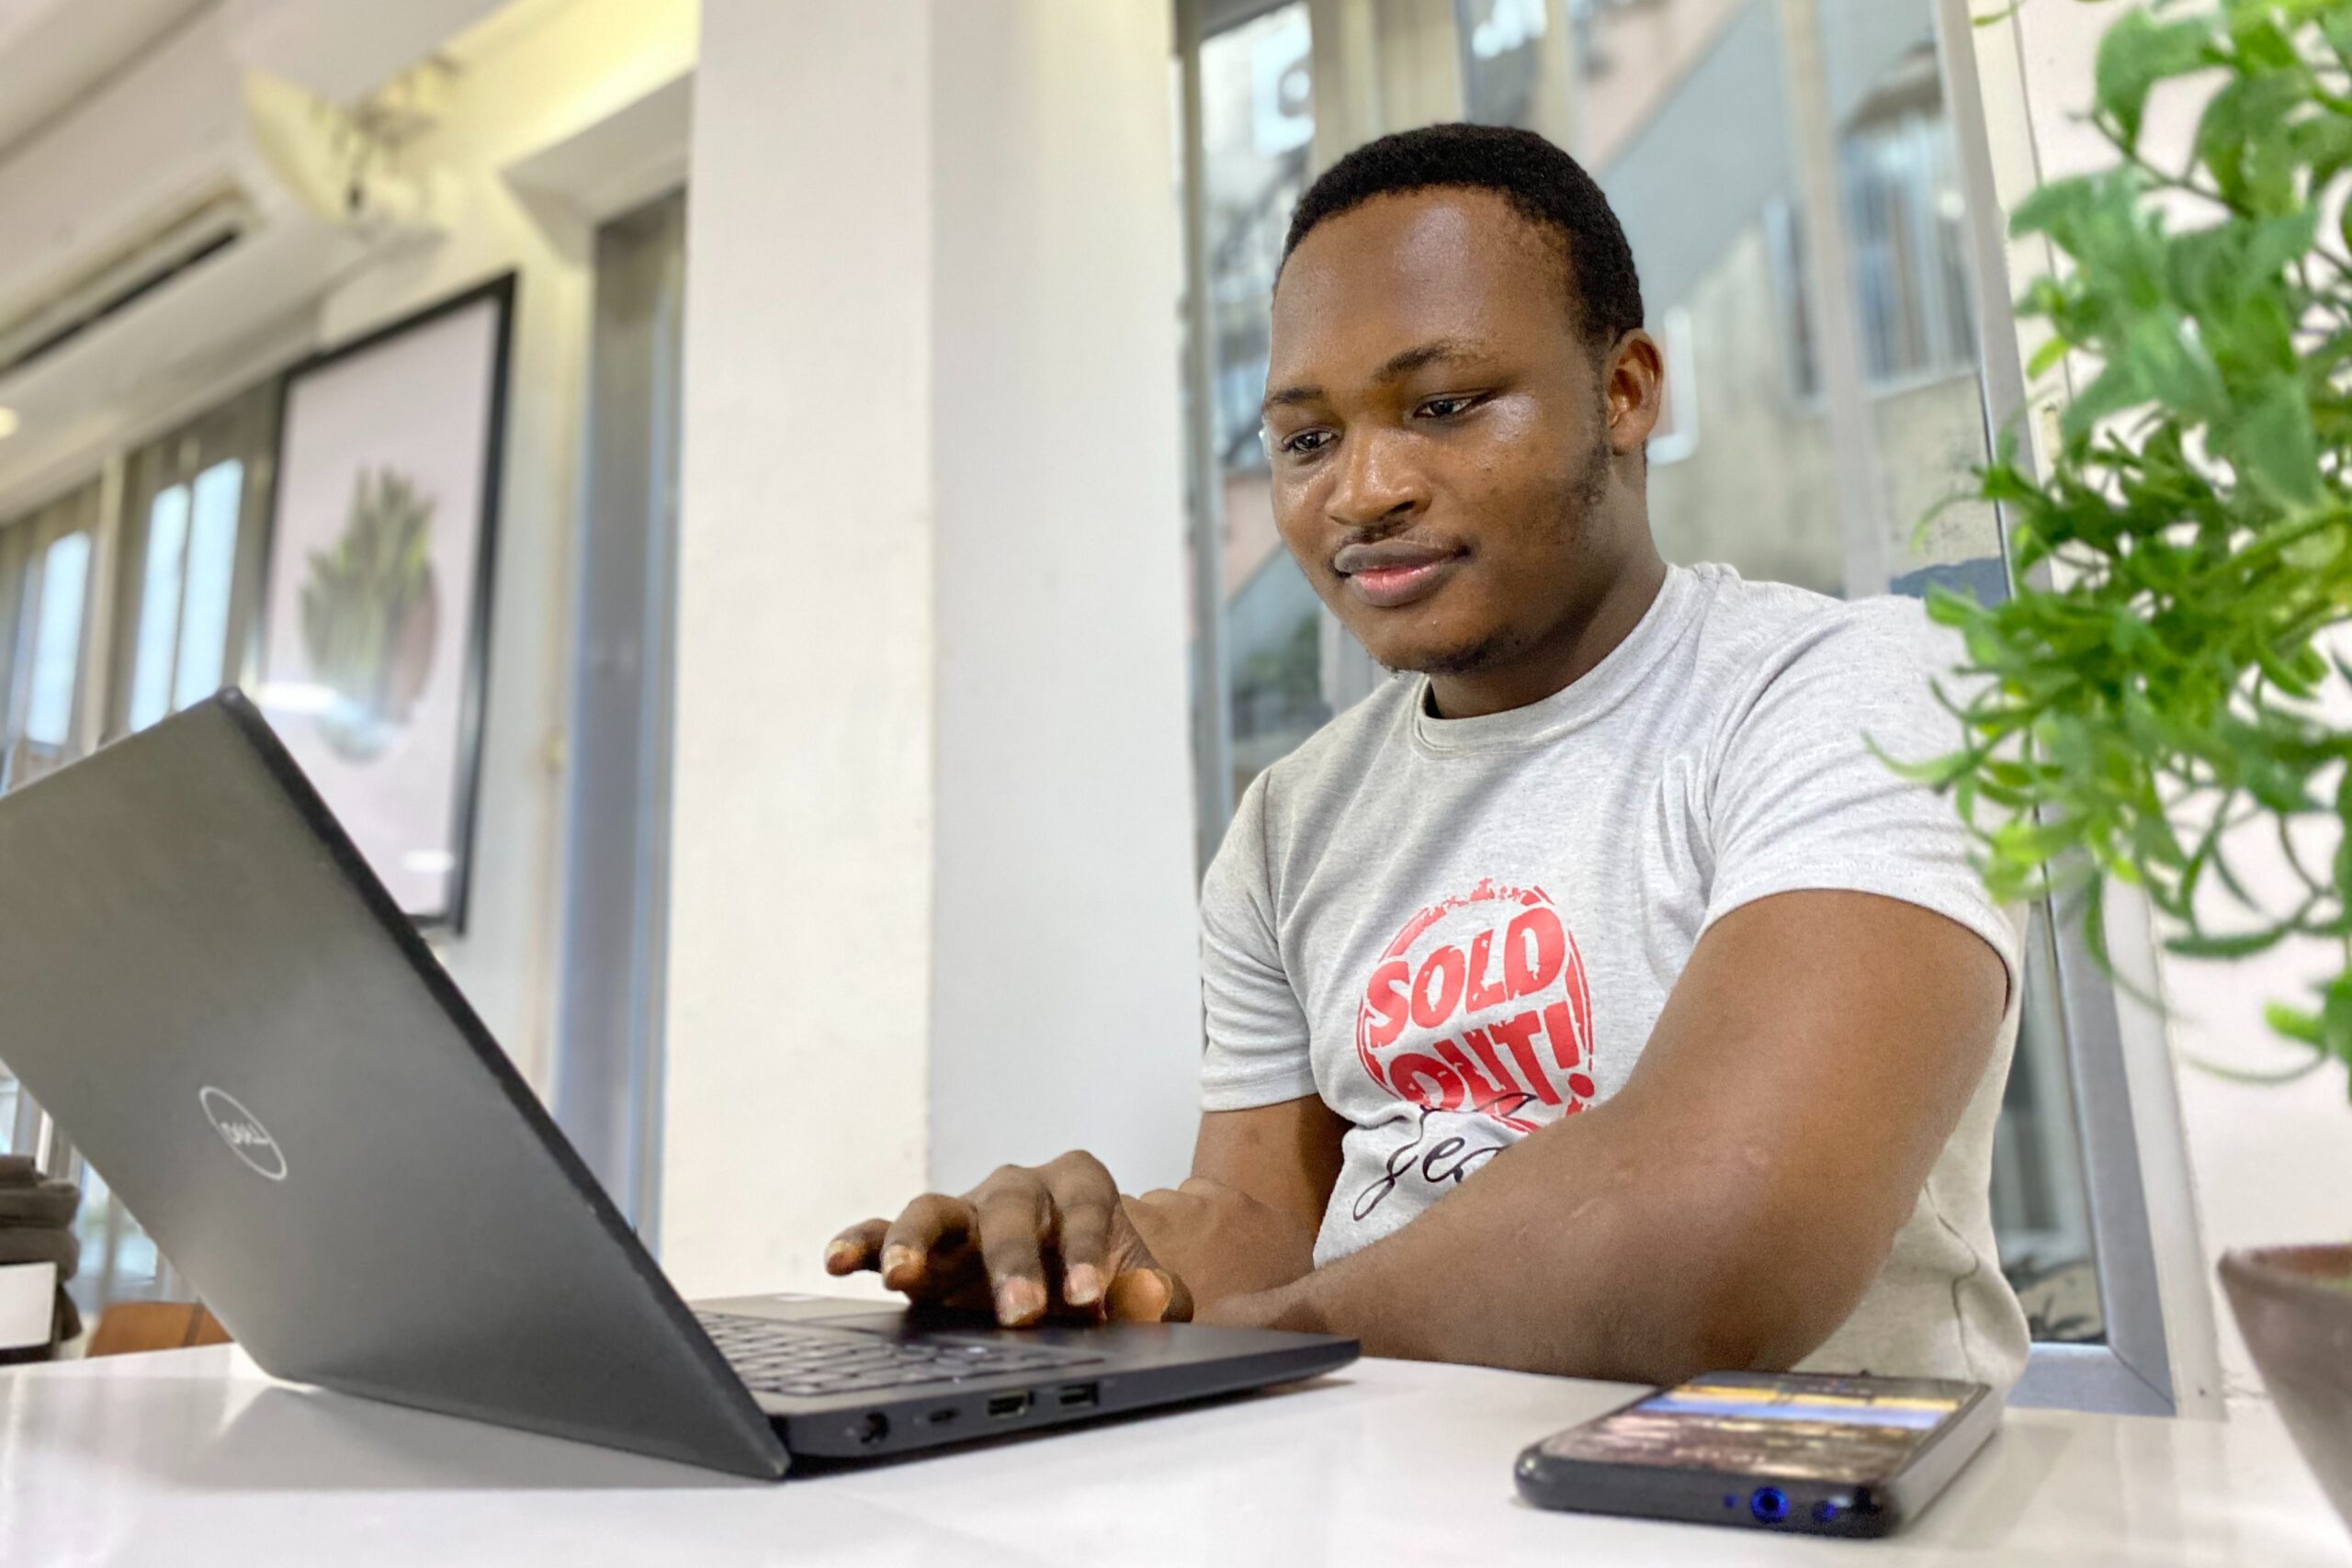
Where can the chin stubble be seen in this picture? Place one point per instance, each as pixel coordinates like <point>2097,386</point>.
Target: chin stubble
<point>1506,643</point>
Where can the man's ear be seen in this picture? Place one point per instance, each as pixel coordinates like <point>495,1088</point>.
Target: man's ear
<point>1633,383</point>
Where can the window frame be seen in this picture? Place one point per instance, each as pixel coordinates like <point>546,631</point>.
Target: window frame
<point>2160,1355</point>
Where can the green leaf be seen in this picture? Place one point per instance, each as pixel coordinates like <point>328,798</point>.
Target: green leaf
<point>2115,390</point>
<point>2261,1079</point>
<point>2245,140</point>
<point>2244,945</point>
<point>2335,1018</point>
<point>2173,369</point>
<point>2136,53</point>
<point>2293,1023</point>
<point>2336,26</point>
<point>2274,442</point>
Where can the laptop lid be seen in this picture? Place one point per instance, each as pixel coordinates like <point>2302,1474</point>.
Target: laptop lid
<point>203,983</point>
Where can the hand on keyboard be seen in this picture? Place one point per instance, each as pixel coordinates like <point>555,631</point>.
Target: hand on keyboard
<point>1031,1242</point>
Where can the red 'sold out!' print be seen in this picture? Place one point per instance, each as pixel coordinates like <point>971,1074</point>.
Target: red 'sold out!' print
<point>1481,1005</point>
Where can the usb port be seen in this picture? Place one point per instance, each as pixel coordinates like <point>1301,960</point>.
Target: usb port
<point>1080,1396</point>
<point>1008,1403</point>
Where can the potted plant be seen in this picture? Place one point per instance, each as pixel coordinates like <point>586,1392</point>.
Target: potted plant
<point>2171,671</point>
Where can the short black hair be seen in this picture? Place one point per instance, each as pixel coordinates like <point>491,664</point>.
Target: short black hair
<point>1542,182</point>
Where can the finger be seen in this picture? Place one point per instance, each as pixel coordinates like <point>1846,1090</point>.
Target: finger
<point>1148,1295</point>
<point>1084,1197</point>
<point>1016,1220</point>
<point>1141,1290</point>
<point>918,1244</point>
<point>860,1246</point>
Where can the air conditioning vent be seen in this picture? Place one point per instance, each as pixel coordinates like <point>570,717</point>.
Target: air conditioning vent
<point>197,235</point>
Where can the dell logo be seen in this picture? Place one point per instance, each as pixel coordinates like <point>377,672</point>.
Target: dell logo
<point>243,1131</point>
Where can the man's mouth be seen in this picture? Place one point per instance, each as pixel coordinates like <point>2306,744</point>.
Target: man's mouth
<point>1393,573</point>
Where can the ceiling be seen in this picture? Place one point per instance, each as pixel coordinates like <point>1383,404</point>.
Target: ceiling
<point>54,51</point>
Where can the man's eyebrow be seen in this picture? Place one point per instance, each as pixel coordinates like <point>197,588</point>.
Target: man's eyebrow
<point>1396,367</point>
<point>1290,395</point>
<point>1438,353</point>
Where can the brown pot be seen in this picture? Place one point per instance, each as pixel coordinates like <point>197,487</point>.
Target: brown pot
<point>2294,1307</point>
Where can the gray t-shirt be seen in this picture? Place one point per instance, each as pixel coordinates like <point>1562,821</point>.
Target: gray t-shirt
<point>1457,931</point>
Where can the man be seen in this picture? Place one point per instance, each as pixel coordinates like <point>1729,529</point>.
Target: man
<point>1593,1000</point>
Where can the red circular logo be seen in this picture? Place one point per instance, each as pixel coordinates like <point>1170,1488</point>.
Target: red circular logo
<point>1480,1004</point>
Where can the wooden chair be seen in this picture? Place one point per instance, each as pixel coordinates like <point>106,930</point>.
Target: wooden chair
<point>128,1327</point>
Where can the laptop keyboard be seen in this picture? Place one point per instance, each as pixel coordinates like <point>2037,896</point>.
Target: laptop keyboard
<point>808,1361</point>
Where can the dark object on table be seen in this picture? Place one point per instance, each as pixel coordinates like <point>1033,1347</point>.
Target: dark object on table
<point>1810,1452</point>
<point>37,1226</point>
<point>2294,1307</point>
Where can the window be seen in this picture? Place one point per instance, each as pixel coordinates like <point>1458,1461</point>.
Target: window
<point>57,641</point>
<point>46,568</point>
<point>1259,625</point>
<point>45,591</point>
<point>182,577</point>
<point>194,515</point>
<point>183,630</point>
<point>1803,440</point>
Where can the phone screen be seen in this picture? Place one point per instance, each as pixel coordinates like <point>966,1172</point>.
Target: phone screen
<point>1812,1428</point>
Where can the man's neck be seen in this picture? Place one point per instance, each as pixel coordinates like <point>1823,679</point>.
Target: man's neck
<point>1566,655</point>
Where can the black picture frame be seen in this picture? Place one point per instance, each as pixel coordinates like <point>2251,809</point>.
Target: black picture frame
<point>500,292</point>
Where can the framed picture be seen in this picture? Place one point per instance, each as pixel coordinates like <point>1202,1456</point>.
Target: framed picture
<point>376,605</point>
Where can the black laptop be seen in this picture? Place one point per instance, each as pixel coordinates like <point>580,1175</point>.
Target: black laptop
<point>200,979</point>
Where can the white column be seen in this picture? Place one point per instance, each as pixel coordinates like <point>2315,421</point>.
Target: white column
<point>932,891</point>
<point>800,885</point>
<point>1066,1004</point>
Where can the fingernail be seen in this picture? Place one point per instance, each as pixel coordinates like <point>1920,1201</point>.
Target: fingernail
<point>1082,1285</point>
<point>839,1255</point>
<point>1017,1299</point>
<point>897,1261</point>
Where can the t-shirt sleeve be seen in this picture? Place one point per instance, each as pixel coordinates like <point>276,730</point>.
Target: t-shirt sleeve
<point>1800,801</point>
<point>1257,1052</point>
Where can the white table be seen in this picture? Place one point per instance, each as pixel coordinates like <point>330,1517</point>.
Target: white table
<point>192,1458</point>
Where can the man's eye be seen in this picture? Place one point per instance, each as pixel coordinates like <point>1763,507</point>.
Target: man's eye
<point>1446,408</point>
<point>1305,443</point>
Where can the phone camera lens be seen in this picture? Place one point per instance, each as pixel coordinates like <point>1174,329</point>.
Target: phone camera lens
<point>1826,1512</point>
<point>1769,1504</point>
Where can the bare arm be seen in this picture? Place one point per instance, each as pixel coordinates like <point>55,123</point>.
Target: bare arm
<point>1245,1221</point>
<point>1730,1206</point>
<point>1286,1155</point>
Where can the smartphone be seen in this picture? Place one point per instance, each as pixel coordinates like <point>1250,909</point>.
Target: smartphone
<point>1823,1455</point>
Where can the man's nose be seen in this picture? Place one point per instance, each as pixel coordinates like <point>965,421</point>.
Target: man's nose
<point>1377,482</point>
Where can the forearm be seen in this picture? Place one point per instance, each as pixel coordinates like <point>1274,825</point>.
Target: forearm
<point>1286,1155</point>
<point>1575,1254</point>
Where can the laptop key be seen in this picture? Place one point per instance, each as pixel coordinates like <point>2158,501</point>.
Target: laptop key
<point>813,1362</point>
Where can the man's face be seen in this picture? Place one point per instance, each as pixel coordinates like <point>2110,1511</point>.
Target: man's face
<point>1444,447</point>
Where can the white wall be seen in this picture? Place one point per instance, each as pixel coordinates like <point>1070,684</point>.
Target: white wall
<point>2268,1164</point>
<point>1065,1003</point>
<point>932,891</point>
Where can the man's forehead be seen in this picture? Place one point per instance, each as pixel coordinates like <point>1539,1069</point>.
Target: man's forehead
<point>1445,264</point>
<point>1400,274</point>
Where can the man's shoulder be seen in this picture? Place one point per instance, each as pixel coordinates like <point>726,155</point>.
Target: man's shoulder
<point>1344,747</point>
<point>1756,632</point>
